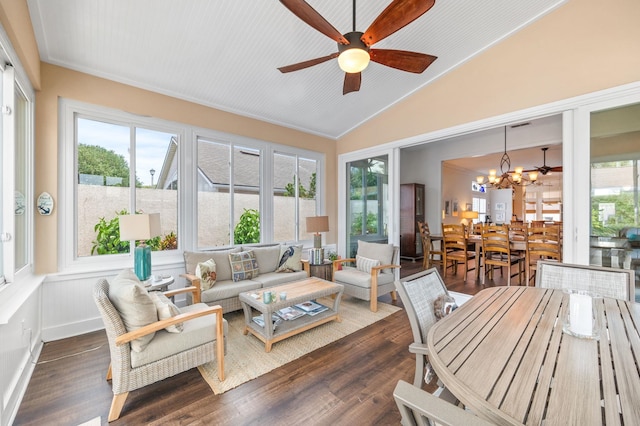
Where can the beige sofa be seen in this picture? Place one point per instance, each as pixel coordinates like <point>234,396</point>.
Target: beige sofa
<point>225,291</point>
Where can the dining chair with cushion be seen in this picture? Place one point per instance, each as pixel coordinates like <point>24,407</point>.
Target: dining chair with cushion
<point>456,248</point>
<point>496,251</point>
<point>151,339</point>
<point>606,282</point>
<point>418,407</point>
<point>431,254</point>
<point>419,293</point>
<point>375,271</point>
<point>543,243</point>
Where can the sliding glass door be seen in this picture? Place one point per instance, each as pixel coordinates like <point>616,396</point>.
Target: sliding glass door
<point>367,209</point>
<point>615,160</point>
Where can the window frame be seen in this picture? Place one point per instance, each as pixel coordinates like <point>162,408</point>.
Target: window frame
<point>15,79</point>
<point>67,217</point>
<point>187,220</point>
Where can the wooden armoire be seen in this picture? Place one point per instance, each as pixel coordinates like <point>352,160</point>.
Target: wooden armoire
<point>411,211</point>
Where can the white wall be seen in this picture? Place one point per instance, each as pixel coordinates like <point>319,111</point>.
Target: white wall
<point>422,163</point>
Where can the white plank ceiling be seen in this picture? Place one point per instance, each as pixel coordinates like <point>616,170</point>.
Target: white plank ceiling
<point>225,53</point>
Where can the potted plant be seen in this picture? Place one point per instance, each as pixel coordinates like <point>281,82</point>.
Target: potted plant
<point>332,255</point>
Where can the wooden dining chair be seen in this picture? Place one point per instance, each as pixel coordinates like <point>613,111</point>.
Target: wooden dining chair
<point>496,251</point>
<point>431,254</point>
<point>456,248</point>
<point>543,243</point>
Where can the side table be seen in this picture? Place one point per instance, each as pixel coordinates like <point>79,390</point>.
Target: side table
<point>159,285</point>
<point>323,270</point>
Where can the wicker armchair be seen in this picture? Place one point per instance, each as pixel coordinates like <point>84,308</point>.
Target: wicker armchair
<point>167,354</point>
<point>365,281</point>
<point>418,293</point>
<point>606,282</point>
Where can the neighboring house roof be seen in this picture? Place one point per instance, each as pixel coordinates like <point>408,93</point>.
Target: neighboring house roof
<point>213,167</point>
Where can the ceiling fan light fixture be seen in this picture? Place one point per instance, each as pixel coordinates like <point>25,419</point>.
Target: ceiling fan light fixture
<point>353,60</point>
<point>354,57</point>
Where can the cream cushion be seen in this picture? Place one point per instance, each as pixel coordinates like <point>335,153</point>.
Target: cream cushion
<point>166,309</point>
<point>220,257</point>
<point>134,305</point>
<point>197,331</point>
<point>267,257</point>
<point>382,252</point>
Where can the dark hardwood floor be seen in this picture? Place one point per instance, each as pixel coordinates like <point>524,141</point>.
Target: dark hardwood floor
<point>350,381</point>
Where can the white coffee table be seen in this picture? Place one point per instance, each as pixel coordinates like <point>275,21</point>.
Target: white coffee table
<point>297,292</point>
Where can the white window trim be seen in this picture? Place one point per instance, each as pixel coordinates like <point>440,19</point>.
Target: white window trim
<point>576,159</point>
<point>187,184</point>
<point>67,235</point>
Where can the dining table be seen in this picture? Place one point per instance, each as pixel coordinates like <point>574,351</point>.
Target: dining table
<point>505,356</point>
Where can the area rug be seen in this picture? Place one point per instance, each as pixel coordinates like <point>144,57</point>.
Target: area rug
<point>246,358</point>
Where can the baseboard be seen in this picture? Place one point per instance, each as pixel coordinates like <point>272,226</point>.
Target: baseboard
<point>72,329</point>
<point>22,383</point>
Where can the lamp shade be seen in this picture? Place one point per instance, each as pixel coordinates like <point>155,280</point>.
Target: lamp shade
<point>469,214</point>
<point>139,226</point>
<point>318,224</point>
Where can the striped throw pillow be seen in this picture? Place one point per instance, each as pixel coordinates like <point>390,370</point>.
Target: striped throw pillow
<point>365,264</point>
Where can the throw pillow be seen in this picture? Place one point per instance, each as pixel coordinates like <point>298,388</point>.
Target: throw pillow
<point>443,306</point>
<point>244,265</point>
<point>365,264</point>
<point>384,252</point>
<point>166,309</point>
<point>267,257</point>
<point>221,257</point>
<point>206,271</point>
<point>134,305</point>
<point>290,259</point>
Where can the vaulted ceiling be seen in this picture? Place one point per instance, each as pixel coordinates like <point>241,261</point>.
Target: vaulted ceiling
<point>225,53</point>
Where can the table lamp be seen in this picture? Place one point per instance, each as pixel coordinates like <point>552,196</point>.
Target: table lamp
<point>140,227</point>
<point>468,214</point>
<point>317,224</point>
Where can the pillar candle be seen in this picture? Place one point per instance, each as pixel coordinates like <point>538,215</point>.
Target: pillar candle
<point>581,314</point>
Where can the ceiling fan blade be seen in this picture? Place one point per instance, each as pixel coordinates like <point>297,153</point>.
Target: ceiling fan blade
<point>307,64</point>
<point>403,60</point>
<point>397,15</point>
<point>351,82</point>
<point>306,13</point>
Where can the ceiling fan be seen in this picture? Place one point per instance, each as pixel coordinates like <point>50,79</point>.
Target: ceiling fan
<point>354,48</point>
<point>544,169</point>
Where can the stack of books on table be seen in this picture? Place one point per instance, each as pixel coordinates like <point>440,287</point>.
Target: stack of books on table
<point>311,308</point>
<point>289,313</point>
<point>260,320</point>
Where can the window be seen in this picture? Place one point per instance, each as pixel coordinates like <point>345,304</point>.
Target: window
<point>294,195</point>
<point>480,205</point>
<point>122,168</point>
<point>121,163</point>
<point>16,207</point>
<point>368,199</point>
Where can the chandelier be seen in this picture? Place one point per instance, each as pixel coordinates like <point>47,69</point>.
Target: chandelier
<point>508,178</point>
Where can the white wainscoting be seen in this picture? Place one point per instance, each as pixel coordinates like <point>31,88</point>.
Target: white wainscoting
<point>20,348</point>
<point>68,308</point>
